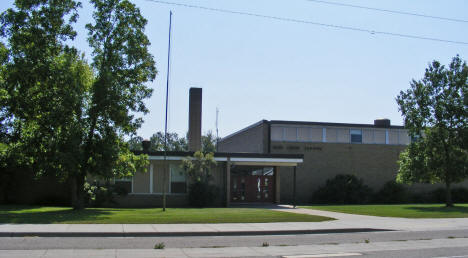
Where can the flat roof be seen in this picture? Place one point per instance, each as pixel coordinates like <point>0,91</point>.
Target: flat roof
<point>283,122</point>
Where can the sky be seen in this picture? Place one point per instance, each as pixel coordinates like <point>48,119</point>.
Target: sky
<point>253,68</point>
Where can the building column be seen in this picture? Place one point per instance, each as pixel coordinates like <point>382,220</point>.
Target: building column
<point>277,185</point>
<point>151,178</point>
<point>228,182</point>
<point>294,187</point>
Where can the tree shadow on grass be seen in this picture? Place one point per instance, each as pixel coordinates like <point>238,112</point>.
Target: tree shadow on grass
<point>64,215</point>
<point>440,209</point>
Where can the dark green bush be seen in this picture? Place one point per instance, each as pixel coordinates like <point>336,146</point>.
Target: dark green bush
<point>392,192</point>
<point>436,196</point>
<point>343,189</point>
<point>202,194</point>
<point>459,195</point>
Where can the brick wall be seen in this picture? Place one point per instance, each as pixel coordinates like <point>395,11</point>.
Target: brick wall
<point>376,164</point>
<point>253,140</point>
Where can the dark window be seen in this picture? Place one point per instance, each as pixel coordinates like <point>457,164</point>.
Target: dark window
<point>124,185</point>
<point>356,136</point>
<point>178,181</point>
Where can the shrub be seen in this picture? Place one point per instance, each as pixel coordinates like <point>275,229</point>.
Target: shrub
<point>392,192</point>
<point>459,195</point>
<point>199,169</point>
<point>98,195</point>
<point>436,196</point>
<point>343,189</point>
<point>202,194</point>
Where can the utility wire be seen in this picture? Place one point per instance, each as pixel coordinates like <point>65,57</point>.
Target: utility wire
<point>309,22</point>
<point>389,11</point>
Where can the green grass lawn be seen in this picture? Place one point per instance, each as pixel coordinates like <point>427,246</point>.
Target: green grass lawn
<point>402,210</point>
<point>29,214</point>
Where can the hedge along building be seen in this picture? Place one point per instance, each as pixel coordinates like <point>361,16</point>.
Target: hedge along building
<point>368,151</point>
<point>240,177</point>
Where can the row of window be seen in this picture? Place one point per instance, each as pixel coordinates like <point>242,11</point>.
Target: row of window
<point>339,135</point>
<point>177,183</point>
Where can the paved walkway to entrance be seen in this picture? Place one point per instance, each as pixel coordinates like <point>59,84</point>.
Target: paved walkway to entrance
<point>345,220</point>
<point>344,223</point>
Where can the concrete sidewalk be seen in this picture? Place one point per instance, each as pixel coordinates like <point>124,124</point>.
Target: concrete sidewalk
<point>161,230</point>
<point>344,223</point>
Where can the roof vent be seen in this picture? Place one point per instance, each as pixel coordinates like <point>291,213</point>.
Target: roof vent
<point>382,122</point>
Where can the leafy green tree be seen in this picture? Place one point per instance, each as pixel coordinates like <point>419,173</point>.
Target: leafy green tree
<point>5,117</point>
<point>174,142</point>
<point>135,143</point>
<point>209,142</point>
<point>67,117</point>
<point>45,84</point>
<point>435,111</point>
<point>122,65</point>
<point>199,169</point>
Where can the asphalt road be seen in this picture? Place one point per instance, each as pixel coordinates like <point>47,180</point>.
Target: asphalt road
<point>22,243</point>
<point>421,253</point>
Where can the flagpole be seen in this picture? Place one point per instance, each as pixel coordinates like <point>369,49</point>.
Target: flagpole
<point>167,104</point>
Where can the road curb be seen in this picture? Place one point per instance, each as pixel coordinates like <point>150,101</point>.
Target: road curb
<point>178,234</point>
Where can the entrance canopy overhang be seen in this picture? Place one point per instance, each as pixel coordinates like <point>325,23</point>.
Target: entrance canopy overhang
<point>248,159</point>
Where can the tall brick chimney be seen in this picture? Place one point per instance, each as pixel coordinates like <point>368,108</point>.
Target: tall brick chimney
<point>195,119</point>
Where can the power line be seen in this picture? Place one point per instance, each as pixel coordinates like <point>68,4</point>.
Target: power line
<point>389,11</point>
<point>401,35</point>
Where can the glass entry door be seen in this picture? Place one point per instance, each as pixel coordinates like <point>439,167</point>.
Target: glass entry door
<point>252,184</point>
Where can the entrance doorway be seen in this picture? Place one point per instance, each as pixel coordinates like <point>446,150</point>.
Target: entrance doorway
<point>252,184</point>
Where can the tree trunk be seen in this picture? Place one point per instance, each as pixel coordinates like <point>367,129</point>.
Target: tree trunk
<point>448,195</point>
<point>77,192</point>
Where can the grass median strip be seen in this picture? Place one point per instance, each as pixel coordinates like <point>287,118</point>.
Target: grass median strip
<point>400,210</point>
<point>63,215</point>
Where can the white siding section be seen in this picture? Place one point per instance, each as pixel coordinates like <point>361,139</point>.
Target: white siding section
<point>332,134</point>
<point>303,134</point>
<point>290,134</point>
<point>316,134</point>
<point>277,133</point>
<point>343,135</point>
<point>403,137</point>
<point>379,136</point>
<point>368,136</point>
